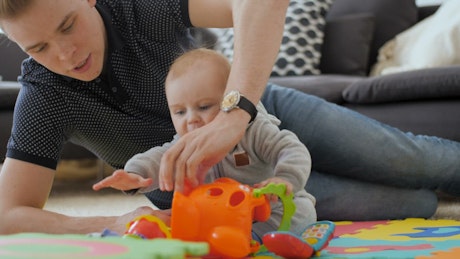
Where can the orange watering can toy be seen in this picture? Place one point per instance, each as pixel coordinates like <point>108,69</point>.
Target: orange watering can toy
<point>220,214</point>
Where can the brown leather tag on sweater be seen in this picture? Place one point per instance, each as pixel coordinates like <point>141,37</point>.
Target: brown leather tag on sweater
<point>241,159</point>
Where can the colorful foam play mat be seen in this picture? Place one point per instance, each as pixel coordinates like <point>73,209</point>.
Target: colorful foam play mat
<point>409,238</point>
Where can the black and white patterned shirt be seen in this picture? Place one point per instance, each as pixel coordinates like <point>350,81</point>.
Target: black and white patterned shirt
<point>117,115</point>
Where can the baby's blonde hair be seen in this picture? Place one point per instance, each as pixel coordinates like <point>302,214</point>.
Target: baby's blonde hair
<point>192,58</point>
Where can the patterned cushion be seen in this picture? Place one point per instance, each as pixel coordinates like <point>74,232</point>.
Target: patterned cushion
<point>300,50</point>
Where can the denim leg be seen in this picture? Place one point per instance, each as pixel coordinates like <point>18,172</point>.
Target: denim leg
<point>347,144</point>
<point>342,198</point>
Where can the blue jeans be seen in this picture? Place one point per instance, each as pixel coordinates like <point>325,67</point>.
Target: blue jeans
<point>363,169</point>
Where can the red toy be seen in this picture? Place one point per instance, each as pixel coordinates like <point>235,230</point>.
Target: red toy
<point>147,227</point>
<point>315,237</point>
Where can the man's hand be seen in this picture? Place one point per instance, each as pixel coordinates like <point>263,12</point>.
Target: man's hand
<point>197,151</point>
<point>275,180</point>
<point>122,180</point>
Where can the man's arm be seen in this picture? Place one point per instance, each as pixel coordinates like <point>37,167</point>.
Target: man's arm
<point>24,189</point>
<point>258,29</point>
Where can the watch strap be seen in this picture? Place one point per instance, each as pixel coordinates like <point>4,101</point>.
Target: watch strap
<point>248,106</point>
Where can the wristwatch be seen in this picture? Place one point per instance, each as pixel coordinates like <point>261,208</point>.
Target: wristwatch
<point>234,100</point>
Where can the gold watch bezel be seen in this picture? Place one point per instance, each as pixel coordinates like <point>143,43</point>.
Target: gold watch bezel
<point>230,101</point>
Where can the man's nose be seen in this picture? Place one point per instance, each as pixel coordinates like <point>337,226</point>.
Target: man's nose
<point>65,50</point>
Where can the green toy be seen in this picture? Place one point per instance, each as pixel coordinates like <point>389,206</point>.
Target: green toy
<point>46,246</point>
<point>288,206</point>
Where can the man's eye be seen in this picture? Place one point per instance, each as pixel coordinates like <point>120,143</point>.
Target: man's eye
<point>39,49</point>
<point>68,28</point>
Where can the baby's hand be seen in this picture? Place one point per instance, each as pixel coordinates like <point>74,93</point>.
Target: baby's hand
<point>275,180</point>
<point>123,181</point>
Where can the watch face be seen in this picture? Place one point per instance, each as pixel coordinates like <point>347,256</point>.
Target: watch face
<point>230,101</point>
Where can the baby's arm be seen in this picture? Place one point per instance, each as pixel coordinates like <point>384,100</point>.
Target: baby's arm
<point>140,172</point>
<point>123,181</point>
<point>282,149</point>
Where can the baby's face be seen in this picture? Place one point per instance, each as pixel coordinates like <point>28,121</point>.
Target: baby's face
<point>194,98</point>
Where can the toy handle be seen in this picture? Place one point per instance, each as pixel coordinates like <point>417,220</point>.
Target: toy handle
<point>288,206</point>
<point>287,200</point>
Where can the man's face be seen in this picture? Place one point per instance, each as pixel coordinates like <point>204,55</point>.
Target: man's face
<point>66,36</point>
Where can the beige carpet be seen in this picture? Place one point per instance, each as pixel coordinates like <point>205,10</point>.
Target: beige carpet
<point>78,199</point>
<point>448,208</point>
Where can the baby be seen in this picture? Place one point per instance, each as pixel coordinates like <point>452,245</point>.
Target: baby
<point>195,88</point>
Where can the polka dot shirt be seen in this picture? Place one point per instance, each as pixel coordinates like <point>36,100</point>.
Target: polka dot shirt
<point>117,115</point>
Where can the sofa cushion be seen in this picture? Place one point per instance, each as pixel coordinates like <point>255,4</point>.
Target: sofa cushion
<point>391,17</point>
<point>300,50</point>
<point>328,87</point>
<point>431,83</point>
<point>346,44</point>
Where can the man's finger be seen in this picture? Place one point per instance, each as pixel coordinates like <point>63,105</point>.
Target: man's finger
<point>186,167</point>
<point>191,168</point>
<point>168,164</point>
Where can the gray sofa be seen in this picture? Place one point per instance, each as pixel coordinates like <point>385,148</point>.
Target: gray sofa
<point>422,102</point>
